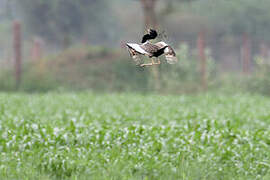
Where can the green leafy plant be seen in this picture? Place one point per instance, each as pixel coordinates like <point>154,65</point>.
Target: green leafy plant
<point>131,136</point>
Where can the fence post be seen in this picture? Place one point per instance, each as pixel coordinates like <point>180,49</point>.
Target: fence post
<point>36,51</point>
<point>246,54</point>
<point>202,58</point>
<point>17,51</point>
<point>263,50</point>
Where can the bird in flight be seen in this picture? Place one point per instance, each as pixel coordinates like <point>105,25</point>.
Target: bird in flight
<point>151,50</point>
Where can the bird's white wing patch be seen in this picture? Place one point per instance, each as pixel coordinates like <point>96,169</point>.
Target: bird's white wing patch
<point>137,48</point>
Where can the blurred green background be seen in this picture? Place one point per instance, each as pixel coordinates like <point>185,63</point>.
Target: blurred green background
<point>78,45</point>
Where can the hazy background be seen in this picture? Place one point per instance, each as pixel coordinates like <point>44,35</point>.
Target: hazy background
<point>79,45</point>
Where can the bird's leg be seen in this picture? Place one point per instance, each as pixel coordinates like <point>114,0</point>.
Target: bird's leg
<point>148,64</point>
<point>153,62</point>
<point>158,61</point>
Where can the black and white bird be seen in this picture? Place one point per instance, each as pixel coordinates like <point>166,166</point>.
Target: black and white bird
<point>151,50</point>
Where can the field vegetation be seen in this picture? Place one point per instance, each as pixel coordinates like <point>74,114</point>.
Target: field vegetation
<point>132,136</point>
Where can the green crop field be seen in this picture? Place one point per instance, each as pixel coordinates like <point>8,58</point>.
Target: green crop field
<point>130,136</point>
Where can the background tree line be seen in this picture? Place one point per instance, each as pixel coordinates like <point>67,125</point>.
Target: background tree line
<point>63,21</point>
<point>231,27</point>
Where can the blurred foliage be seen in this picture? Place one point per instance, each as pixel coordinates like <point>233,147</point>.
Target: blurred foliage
<point>80,68</point>
<point>236,16</point>
<point>63,20</point>
<point>107,70</point>
<point>260,82</point>
<point>257,82</point>
<point>185,76</point>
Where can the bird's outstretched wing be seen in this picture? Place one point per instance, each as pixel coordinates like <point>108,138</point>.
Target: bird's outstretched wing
<point>137,48</point>
<point>170,55</point>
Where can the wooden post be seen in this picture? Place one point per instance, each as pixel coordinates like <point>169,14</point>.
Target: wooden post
<point>202,58</point>
<point>37,49</point>
<point>17,51</point>
<point>246,48</point>
<point>151,22</point>
<point>263,50</point>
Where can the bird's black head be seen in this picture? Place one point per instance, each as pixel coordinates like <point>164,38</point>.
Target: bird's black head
<point>152,34</point>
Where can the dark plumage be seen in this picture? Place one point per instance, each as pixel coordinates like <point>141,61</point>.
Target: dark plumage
<point>152,34</point>
<point>159,52</point>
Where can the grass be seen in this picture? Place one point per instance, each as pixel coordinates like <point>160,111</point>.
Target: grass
<point>130,136</point>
